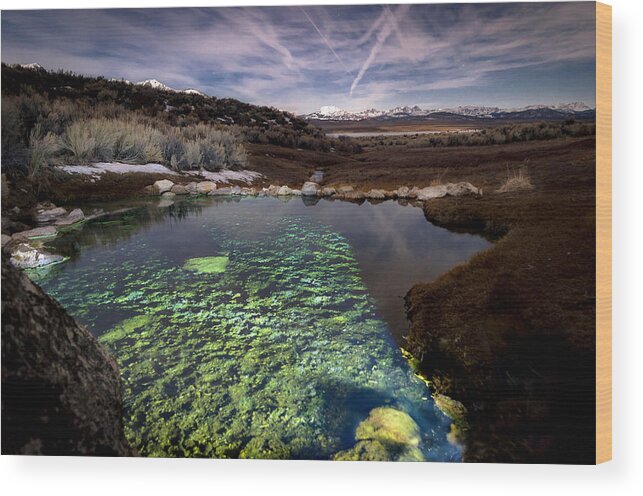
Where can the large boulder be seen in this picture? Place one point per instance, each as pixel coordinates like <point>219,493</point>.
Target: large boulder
<point>162,186</point>
<point>310,189</point>
<point>25,256</point>
<point>61,392</point>
<point>205,187</point>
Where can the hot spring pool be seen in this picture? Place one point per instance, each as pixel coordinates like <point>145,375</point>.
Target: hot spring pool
<point>260,327</point>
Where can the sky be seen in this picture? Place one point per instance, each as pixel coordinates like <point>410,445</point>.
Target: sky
<point>354,57</point>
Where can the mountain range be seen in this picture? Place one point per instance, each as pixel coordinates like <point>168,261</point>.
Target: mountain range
<point>472,112</point>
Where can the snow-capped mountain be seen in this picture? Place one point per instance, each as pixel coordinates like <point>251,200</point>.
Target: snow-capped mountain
<point>158,85</point>
<point>34,66</point>
<point>333,113</point>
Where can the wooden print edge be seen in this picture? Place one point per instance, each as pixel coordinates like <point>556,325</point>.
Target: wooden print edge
<point>603,232</point>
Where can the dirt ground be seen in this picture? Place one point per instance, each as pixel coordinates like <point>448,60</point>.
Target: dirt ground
<point>511,333</point>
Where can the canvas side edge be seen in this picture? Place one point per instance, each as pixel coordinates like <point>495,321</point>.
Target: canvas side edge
<point>603,232</point>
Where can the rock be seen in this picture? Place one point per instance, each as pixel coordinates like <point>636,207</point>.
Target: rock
<point>403,192</point>
<point>376,194</point>
<point>387,434</point>
<point>205,187</point>
<point>296,192</point>
<point>235,190</point>
<point>328,191</point>
<point>168,194</point>
<point>272,190</point>
<point>354,196</point>
<point>432,192</point>
<point>310,189</point>
<point>179,189</point>
<point>413,192</point>
<point>25,256</point>
<point>61,391</point>
<point>284,191</point>
<point>220,192</point>
<point>192,188</point>
<point>47,215</point>
<point>162,186</point>
<point>74,216</point>
<point>462,189</point>
<point>38,232</point>
<point>342,190</point>
<point>5,239</point>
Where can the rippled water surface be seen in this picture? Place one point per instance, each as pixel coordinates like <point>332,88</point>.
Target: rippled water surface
<point>259,327</point>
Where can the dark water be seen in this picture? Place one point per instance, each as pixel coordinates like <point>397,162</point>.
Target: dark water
<point>258,327</point>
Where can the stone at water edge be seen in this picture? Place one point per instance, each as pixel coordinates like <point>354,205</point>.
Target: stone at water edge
<point>38,232</point>
<point>403,192</point>
<point>462,189</point>
<point>179,189</point>
<point>342,190</point>
<point>205,187</point>
<point>162,186</point>
<point>328,191</point>
<point>432,192</point>
<point>192,188</point>
<point>353,196</point>
<point>272,190</point>
<point>25,256</point>
<point>74,216</point>
<point>284,191</point>
<point>376,194</point>
<point>47,215</point>
<point>310,189</point>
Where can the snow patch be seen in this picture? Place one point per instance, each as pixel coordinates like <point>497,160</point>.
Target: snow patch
<point>116,168</point>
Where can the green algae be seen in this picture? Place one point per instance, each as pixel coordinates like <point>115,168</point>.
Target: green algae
<point>279,355</point>
<point>207,265</point>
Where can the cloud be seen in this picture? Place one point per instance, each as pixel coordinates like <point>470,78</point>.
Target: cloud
<point>352,56</point>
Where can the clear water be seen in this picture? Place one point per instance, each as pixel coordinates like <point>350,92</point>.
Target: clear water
<point>257,327</point>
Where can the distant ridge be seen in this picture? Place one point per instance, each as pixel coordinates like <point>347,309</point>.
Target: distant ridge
<point>530,112</point>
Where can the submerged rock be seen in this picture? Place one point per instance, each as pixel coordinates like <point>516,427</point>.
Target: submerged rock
<point>162,186</point>
<point>25,256</point>
<point>310,189</point>
<point>60,390</point>
<point>387,434</point>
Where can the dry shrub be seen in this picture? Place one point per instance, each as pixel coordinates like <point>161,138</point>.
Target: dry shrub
<point>516,180</point>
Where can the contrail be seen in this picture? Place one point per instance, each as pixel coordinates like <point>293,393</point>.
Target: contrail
<point>325,40</point>
<point>382,35</point>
